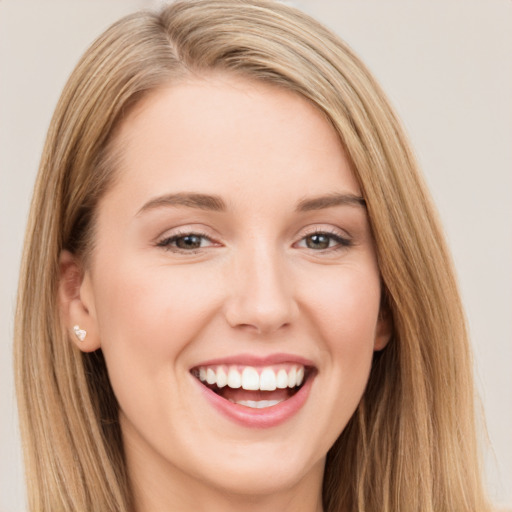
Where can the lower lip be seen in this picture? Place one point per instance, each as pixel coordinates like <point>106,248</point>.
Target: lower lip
<point>259,418</point>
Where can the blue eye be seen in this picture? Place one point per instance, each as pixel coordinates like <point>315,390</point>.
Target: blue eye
<point>185,242</point>
<point>322,241</point>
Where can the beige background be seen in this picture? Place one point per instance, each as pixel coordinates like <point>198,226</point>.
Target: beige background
<point>447,67</point>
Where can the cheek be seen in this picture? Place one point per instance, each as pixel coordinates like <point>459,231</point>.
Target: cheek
<point>345,306</point>
<point>148,314</point>
<point>345,314</point>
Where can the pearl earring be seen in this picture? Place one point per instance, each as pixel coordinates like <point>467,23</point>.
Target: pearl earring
<point>79,333</point>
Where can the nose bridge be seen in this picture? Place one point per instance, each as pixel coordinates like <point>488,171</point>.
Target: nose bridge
<point>261,292</point>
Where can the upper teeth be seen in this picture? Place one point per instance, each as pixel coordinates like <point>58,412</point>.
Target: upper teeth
<point>250,378</point>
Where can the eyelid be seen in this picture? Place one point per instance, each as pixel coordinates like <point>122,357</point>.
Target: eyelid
<point>323,229</point>
<point>344,240</point>
<point>186,229</point>
<point>341,237</point>
<point>165,240</point>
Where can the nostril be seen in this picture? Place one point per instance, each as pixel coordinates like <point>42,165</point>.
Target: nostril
<point>263,306</point>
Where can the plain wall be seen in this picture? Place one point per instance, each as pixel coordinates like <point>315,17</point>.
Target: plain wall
<point>446,66</point>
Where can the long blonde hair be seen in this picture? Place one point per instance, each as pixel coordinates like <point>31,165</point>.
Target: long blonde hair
<point>411,445</point>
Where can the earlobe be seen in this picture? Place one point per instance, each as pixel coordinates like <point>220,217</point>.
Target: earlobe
<point>76,305</point>
<point>384,329</point>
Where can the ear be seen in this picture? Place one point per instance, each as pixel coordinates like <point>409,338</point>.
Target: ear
<point>384,329</point>
<point>76,303</point>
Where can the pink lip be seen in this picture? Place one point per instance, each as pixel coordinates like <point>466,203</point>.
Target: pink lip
<point>252,360</point>
<point>259,418</point>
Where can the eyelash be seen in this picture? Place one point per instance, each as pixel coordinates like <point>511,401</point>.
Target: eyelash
<point>167,243</point>
<point>340,241</point>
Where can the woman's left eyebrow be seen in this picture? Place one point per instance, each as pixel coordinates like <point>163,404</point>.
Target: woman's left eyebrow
<point>330,200</point>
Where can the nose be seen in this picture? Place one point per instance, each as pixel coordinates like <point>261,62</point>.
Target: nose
<point>261,297</point>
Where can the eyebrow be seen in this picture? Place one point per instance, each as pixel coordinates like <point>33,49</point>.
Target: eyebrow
<point>217,204</point>
<point>329,201</point>
<point>189,200</point>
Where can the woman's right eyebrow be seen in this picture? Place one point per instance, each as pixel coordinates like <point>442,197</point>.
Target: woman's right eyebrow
<point>187,199</point>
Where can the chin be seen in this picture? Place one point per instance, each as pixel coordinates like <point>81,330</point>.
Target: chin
<point>265,479</point>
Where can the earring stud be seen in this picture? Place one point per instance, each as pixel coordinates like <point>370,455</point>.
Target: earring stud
<point>79,333</point>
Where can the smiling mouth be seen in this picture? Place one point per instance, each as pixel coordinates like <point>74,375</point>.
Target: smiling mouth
<point>251,386</point>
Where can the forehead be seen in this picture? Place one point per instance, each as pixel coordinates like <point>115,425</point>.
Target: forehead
<point>221,134</point>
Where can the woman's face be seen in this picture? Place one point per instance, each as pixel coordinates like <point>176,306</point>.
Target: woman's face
<point>232,252</point>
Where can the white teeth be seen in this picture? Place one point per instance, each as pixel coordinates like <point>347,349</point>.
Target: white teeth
<point>282,379</point>
<point>292,377</point>
<point>269,379</point>
<point>300,376</point>
<point>258,404</point>
<point>211,378</point>
<point>222,378</point>
<point>250,379</point>
<point>234,379</point>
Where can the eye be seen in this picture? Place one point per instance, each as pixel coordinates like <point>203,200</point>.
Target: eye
<point>183,242</point>
<point>321,241</point>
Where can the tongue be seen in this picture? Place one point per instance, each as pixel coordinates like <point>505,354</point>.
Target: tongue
<point>237,395</point>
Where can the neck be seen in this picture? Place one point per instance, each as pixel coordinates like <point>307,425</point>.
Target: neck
<point>220,501</point>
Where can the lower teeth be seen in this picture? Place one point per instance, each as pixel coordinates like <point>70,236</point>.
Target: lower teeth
<point>257,404</point>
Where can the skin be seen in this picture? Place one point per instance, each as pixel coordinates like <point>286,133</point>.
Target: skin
<point>255,286</point>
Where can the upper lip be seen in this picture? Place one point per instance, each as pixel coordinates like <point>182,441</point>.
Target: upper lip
<point>254,360</point>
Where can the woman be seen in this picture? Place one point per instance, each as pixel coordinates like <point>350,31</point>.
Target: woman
<point>236,293</point>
